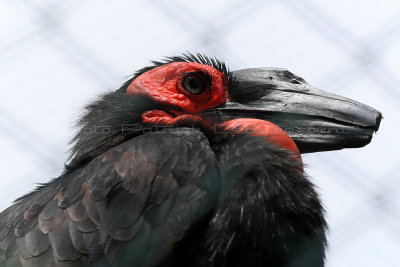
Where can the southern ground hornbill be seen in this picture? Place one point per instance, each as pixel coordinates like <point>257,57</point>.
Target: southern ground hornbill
<point>189,164</point>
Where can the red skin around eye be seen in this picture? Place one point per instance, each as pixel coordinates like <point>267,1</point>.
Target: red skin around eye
<point>163,84</point>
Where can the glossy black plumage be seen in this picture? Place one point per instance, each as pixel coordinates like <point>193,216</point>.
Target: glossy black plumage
<point>132,203</point>
<point>126,194</point>
<point>268,213</point>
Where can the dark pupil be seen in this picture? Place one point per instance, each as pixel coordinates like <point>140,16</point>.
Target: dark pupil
<point>194,84</point>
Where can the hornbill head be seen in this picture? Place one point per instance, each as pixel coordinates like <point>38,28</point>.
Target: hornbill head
<point>197,90</point>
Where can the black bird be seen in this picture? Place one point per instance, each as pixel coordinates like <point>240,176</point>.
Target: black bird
<point>189,164</point>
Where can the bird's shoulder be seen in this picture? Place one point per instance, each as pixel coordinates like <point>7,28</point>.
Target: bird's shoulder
<point>143,193</point>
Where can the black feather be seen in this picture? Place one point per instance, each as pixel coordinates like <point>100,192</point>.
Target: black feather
<point>107,122</point>
<point>268,213</point>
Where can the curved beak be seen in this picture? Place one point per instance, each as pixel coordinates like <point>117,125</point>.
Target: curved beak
<point>316,120</point>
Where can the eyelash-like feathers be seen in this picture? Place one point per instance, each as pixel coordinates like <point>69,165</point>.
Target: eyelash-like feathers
<point>187,57</point>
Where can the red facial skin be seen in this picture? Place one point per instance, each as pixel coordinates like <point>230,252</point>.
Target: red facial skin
<point>163,84</point>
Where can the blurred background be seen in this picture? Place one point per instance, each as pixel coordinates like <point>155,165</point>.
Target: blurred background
<point>55,56</point>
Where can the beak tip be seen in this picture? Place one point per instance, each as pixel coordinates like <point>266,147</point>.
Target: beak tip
<point>379,118</point>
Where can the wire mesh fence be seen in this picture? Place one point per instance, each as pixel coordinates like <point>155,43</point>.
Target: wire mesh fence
<point>57,55</point>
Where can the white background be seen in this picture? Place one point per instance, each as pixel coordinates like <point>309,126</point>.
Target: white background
<point>55,56</point>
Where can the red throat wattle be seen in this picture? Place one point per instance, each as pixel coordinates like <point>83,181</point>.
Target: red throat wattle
<point>272,132</point>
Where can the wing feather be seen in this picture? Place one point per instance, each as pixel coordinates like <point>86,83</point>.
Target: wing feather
<point>126,207</point>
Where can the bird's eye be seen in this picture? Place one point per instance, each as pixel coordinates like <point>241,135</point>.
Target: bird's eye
<point>196,83</point>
